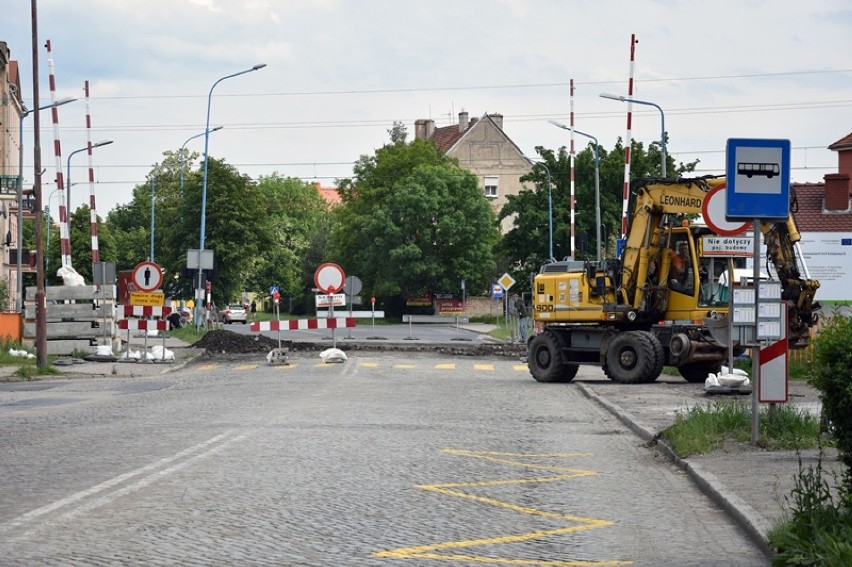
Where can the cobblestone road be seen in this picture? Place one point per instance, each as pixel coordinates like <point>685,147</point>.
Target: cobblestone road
<point>381,460</point>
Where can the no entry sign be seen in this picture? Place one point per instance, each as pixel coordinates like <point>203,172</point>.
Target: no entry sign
<point>329,278</point>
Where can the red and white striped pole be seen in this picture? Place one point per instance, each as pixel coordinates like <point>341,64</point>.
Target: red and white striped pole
<point>93,214</point>
<point>628,139</point>
<point>64,242</point>
<point>571,163</point>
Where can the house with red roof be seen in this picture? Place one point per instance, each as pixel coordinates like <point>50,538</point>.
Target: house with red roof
<point>823,215</point>
<point>329,194</point>
<point>482,147</point>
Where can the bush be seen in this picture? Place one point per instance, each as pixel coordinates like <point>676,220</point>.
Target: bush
<point>832,376</point>
<point>820,529</point>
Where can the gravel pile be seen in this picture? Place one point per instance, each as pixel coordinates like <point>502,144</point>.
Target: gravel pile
<point>229,342</point>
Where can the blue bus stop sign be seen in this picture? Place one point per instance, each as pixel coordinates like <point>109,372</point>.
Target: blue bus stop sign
<point>757,179</point>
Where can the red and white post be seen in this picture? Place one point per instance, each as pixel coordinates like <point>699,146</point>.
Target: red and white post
<point>628,139</point>
<point>64,241</point>
<point>93,214</point>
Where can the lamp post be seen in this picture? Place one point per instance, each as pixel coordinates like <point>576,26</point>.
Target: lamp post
<point>204,178</point>
<point>19,297</point>
<point>662,122</point>
<point>153,190</point>
<point>549,211</point>
<point>180,154</point>
<point>597,182</point>
<point>68,177</point>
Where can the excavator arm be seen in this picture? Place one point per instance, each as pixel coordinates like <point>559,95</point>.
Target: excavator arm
<point>781,239</point>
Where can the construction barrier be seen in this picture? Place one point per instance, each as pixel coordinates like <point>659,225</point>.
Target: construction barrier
<point>143,324</point>
<point>303,324</point>
<point>146,311</point>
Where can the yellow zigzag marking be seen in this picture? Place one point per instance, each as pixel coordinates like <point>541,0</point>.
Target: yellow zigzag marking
<point>452,489</point>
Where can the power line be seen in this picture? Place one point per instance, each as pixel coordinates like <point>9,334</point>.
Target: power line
<point>384,122</point>
<point>488,87</point>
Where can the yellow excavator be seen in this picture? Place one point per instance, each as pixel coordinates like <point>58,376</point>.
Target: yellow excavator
<point>662,302</point>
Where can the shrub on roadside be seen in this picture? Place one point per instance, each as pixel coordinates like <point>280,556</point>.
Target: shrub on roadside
<point>832,376</point>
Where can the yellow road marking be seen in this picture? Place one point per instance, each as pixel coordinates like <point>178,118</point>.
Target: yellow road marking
<point>245,367</point>
<point>370,364</point>
<point>483,367</point>
<point>404,366</point>
<point>445,366</point>
<point>209,367</point>
<point>520,367</point>
<point>579,523</point>
<point>287,366</point>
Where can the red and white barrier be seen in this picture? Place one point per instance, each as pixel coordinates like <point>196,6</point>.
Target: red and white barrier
<point>143,324</point>
<point>146,311</point>
<point>303,324</point>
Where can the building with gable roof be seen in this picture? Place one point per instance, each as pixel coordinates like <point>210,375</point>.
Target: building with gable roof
<point>483,148</point>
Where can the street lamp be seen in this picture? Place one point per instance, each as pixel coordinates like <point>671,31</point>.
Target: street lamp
<point>662,121</point>
<point>549,211</point>
<point>68,178</point>
<point>180,154</point>
<point>597,182</point>
<point>153,189</point>
<point>206,162</point>
<point>19,297</point>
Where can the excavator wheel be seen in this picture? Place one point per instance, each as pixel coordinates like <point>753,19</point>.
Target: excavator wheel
<point>631,358</point>
<point>545,359</point>
<point>660,357</point>
<point>696,372</point>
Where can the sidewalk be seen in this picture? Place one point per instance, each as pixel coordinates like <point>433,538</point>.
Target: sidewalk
<point>752,485</point>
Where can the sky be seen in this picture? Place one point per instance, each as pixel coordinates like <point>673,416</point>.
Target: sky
<point>339,73</point>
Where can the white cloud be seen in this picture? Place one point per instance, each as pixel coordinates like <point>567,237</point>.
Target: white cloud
<point>339,73</point>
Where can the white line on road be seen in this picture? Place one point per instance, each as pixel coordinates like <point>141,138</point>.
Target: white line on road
<point>222,440</point>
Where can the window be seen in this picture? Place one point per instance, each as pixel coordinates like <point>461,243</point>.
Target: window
<point>490,187</point>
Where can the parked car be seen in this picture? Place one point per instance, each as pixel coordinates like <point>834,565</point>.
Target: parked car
<point>233,314</point>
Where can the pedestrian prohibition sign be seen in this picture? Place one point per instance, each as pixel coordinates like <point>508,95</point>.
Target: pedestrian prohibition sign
<point>147,276</point>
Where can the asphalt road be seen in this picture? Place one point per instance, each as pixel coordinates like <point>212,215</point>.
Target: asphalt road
<point>385,459</point>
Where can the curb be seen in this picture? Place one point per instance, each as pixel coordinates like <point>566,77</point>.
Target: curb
<point>756,526</point>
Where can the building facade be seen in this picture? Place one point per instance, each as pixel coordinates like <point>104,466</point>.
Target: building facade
<point>483,148</point>
<point>824,217</point>
<point>11,110</point>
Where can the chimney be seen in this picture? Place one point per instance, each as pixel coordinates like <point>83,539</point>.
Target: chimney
<point>419,129</point>
<point>463,118</point>
<point>498,120</point>
<point>424,129</point>
<point>836,192</point>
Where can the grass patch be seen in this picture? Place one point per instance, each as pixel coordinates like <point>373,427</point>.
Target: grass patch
<point>819,530</point>
<point>702,429</point>
<point>188,334</point>
<point>29,371</point>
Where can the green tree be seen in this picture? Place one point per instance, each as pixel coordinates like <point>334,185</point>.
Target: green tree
<point>236,227</point>
<point>412,221</point>
<point>296,215</point>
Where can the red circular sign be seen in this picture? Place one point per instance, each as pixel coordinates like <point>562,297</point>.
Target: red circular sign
<point>329,278</point>
<point>147,276</point>
<point>713,210</point>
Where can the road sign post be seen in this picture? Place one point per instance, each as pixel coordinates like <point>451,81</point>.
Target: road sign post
<point>329,278</point>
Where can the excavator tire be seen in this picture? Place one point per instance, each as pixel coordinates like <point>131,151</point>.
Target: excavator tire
<point>545,359</point>
<point>696,372</point>
<point>660,357</point>
<point>631,358</point>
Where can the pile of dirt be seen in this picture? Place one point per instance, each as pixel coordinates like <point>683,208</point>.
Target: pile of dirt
<point>228,342</point>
